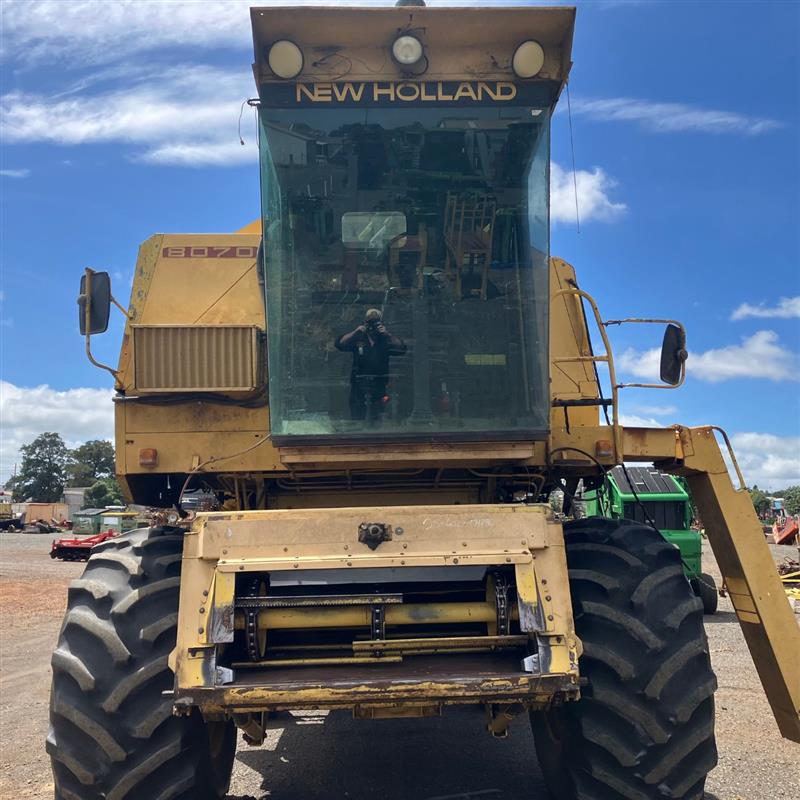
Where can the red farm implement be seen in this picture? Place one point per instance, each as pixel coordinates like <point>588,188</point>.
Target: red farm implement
<point>78,549</point>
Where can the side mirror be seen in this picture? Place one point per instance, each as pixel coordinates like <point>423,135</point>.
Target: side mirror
<point>94,302</point>
<point>673,355</point>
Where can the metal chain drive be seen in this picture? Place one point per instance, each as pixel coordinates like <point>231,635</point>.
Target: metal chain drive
<point>501,587</point>
<point>252,589</point>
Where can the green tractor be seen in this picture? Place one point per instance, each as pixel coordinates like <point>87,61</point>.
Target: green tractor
<point>648,496</point>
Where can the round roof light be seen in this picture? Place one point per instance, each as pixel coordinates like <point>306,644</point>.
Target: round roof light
<point>286,59</point>
<point>528,59</point>
<point>407,50</point>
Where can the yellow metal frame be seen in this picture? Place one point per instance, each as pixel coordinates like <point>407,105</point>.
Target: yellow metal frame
<point>525,538</point>
<point>748,570</point>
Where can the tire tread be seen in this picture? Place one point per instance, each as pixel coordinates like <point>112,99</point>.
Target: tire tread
<point>644,727</point>
<point>112,733</point>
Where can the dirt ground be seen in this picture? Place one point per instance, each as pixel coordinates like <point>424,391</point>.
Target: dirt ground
<point>331,757</point>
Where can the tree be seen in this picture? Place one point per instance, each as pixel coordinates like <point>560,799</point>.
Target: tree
<point>42,474</point>
<point>791,500</point>
<point>105,492</point>
<point>760,501</point>
<point>91,462</point>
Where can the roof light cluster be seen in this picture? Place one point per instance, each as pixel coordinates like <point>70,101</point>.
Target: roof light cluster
<point>286,58</point>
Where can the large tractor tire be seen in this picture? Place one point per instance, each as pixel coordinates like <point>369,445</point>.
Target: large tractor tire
<point>644,726</point>
<point>112,732</point>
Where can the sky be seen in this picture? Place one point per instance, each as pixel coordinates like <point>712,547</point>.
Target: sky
<point>119,120</point>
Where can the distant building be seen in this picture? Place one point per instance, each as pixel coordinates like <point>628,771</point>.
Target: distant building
<point>74,498</point>
<point>776,505</point>
<point>290,147</point>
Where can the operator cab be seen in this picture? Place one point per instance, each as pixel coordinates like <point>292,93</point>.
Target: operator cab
<point>405,218</point>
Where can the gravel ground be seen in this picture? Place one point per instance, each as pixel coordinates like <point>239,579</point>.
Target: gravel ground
<point>331,757</point>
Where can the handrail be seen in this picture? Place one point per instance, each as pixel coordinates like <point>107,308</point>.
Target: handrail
<point>742,484</point>
<point>608,359</point>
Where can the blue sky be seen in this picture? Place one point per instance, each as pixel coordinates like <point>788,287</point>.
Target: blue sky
<point>119,120</point>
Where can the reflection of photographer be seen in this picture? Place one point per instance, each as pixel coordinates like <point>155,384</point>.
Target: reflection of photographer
<point>372,346</point>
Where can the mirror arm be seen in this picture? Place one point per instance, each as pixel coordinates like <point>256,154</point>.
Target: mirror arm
<point>120,306</point>
<point>648,321</point>
<point>96,363</point>
<point>651,321</point>
<point>654,385</point>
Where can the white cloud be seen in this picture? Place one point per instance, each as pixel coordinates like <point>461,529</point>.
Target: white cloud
<point>221,153</point>
<point>758,356</point>
<point>672,117</point>
<point>593,200</point>
<point>187,116</point>
<point>787,308</point>
<point>15,173</point>
<point>634,421</point>
<point>25,412</point>
<point>768,461</point>
<point>658,411</point>
<point>94,32</point>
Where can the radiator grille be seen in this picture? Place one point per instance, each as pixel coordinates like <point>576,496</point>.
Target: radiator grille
<point>196,358</point>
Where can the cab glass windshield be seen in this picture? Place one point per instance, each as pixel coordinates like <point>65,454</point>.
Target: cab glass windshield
<point>406,261</point>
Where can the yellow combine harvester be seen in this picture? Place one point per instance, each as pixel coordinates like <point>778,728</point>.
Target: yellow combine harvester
<point>377,401</point>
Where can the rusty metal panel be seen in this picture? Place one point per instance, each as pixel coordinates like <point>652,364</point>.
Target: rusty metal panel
<point>196,358</point>
<point>476,681</point>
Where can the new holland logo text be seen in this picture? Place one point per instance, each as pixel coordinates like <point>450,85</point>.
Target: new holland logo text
<point>406,92</point>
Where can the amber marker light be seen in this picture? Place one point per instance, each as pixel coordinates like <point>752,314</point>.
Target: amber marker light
<point>148,457</point>
<point>604,448</point>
